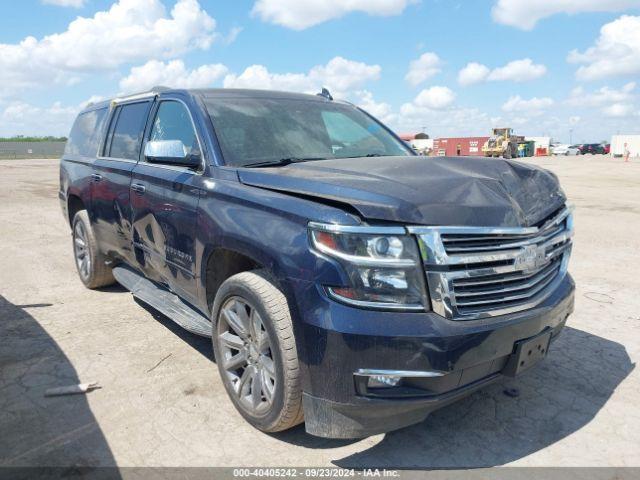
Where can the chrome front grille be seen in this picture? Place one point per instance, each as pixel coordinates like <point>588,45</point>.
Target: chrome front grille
<point>499,291</point>
<point>476,272</point>
<point>469,243</point>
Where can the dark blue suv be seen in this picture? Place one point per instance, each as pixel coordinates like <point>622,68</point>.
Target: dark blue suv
<point>345,281</point>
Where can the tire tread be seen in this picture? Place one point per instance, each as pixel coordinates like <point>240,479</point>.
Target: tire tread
<point>101,274</point>
<point>275,303</point>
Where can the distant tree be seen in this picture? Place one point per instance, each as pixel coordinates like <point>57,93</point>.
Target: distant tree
<point>22,138</point>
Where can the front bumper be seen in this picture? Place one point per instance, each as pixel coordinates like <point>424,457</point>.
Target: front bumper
<point>335,341</point>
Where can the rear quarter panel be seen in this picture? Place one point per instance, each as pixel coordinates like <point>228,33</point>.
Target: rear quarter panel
<point>75,180</point>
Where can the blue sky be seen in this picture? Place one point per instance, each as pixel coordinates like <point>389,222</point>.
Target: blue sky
<point>544,67</point>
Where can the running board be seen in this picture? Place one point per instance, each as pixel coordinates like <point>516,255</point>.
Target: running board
<point>163,300</point>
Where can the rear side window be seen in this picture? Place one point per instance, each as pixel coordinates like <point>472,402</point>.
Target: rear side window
<point>127,134</point>
<point>86,133</point>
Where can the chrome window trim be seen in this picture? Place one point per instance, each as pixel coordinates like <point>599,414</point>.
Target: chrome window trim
<point>172,167</point>
<point>134,98</point>
<point>115,159</point>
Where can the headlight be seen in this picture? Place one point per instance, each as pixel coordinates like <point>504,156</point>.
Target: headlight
<point>383,265</point>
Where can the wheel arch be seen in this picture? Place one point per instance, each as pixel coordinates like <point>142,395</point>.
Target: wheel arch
<point>74,205</point>
<point>221,263</point>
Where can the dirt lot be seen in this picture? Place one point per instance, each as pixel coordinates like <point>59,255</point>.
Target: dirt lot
<point>162,402</point>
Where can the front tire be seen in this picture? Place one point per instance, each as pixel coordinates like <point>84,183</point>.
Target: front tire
<point>255,351</point>
<point>90,262</point>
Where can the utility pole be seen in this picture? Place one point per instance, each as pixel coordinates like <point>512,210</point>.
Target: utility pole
<point>571,136</point>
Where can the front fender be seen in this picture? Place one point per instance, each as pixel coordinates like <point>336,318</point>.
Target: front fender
<point>267,226</point>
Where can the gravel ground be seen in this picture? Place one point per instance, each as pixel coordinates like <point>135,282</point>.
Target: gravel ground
<point>162,403</point>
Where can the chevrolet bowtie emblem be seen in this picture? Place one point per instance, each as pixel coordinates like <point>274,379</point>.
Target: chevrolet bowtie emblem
<point>531,258</point>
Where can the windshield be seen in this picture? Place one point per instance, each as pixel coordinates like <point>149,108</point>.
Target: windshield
<point>262,130</point>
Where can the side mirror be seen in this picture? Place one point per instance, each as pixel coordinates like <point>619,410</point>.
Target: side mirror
<point>170,152</point>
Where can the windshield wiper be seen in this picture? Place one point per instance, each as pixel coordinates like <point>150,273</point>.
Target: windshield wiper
<point>367,155</point>
<point>282,162</point>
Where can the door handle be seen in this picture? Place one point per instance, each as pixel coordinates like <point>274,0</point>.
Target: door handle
<point>96,177</point>
<point>138,188</point>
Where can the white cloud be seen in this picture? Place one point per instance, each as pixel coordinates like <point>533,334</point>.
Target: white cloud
<point>66,3</point>
<point>92,99</point>
<point>298,15</point>
<point>232,35</point>
<point>524,14</point>
<point>616,52</point>
<point>130,30</point>
<point>171,74</point>
<point>472,73</point>
<point>435,98</point>
<point>601,97</point>
<point>339,75</point>
<point>532,107</point>
<point>432,98</point>
<point>258,76</point>
<point>618,110</point>
<point>522,70</point>
<point>381,110</point>
<point>423,68</point>
<point>458,121</point>
<point>20,118</point>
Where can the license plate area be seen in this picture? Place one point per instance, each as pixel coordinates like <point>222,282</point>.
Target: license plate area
<point>527,353</point>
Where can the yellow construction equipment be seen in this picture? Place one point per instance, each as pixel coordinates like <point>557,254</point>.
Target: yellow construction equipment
<point>502,143</point>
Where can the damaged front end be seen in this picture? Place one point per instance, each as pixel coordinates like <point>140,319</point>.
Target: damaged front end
<point>456,277</point>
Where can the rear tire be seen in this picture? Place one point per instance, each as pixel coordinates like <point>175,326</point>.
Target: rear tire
<point>90,262</point>
<point>255,351</point>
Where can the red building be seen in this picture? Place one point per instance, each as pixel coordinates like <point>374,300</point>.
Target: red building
<point>458,146</point>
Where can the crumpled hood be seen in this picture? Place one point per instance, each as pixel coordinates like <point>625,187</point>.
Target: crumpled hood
<point>418,190</point>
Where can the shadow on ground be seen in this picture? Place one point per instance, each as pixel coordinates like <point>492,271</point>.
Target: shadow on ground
<point>559,397</point>
<point>489,428</point>
<point>200,344</point>
<point>36,430</point>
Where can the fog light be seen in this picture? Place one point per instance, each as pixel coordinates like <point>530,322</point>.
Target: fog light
<point>383,381</point>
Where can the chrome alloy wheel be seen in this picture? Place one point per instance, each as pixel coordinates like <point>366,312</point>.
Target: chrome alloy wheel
<point>247,358</point>
<point>81,250</point>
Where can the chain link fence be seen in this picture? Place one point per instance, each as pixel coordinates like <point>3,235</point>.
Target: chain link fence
<point>12,150</point>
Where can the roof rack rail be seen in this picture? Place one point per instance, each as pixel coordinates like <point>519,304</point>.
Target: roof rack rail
<point>149,93</point>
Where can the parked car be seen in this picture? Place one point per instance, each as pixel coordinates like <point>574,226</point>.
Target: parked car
<point>564,149</point>
<point>345,281</point>
<point>607,148</point>
<point>592,148</point>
